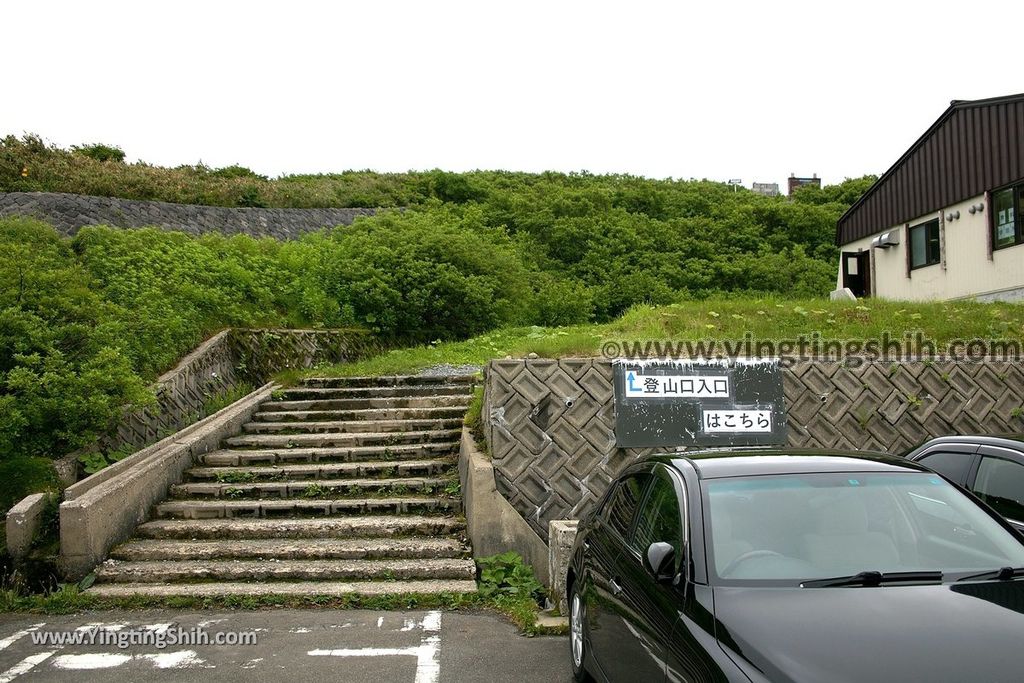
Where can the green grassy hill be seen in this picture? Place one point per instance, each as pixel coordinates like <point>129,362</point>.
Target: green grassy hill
<point>716,322</point>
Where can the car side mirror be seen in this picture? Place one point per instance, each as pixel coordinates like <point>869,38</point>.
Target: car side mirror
<point>661,559</point>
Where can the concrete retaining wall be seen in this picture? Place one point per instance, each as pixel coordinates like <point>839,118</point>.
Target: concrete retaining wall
<point>222,363</point>
<point>493,525</point>
<point>550,424</point>
<point>103,512</point>
<point>69,212</point>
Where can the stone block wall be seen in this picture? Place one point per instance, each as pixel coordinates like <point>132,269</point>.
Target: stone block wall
<point>69,212</point>
<point>550,424</point>
<point>220,364</point>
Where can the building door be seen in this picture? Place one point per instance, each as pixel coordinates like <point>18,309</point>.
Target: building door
<point>857,272</point>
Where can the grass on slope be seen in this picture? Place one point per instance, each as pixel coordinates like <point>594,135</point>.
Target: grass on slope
<point>720,320</point>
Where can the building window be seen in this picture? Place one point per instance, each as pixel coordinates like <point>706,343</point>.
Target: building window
<point>1007,225</point>
<point>924,244</point>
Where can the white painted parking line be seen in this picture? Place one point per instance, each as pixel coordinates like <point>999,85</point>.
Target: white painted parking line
<point>18,635</point>
<point>182,659</point>
<point>427,653</point>
<point>24,666</point>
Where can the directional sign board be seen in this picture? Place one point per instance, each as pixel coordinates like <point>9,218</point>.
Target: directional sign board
<point>698,403</point>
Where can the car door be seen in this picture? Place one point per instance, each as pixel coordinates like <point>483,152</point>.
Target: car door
<point>999,481</point>
<point>647,608</point>
<point>605,545</point>
<point>954,461</point>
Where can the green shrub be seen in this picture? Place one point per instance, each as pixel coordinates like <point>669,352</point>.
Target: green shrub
<point>506,574</point>
<point>24,475</point>
<point>100,152</point>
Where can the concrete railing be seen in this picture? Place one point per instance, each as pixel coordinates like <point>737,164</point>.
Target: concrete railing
<point>23,523</point>
<point>103,510</point>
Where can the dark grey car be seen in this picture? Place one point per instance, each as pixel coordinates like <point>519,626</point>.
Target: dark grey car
<point>990,467</point>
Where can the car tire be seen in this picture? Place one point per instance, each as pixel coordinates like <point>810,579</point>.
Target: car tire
<point>577,634</point>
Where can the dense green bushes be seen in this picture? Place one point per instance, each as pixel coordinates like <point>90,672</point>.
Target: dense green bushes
<point>63,370</point>
<point>86,324</point>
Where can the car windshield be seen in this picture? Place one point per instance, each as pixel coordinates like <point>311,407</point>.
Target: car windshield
<point>801,527</point>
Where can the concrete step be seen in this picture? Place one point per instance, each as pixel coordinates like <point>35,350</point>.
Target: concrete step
<point>296,507</point>
<point>393,381</point>
<point>328,440</point>
<point>311,489</point>
<point>320,393</point>
<point>396,454</point>
<point>283,588</point>
<point>143,550</point>
<point>368,403</point>
<point>351,426</point>
<point>325,470</point>
<point>115,571</point>
<point>435,413</point>
<point>323,527</point>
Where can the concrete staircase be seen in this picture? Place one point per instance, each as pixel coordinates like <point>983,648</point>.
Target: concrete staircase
<point>338,486</point>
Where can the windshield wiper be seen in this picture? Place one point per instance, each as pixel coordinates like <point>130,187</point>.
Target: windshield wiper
<point>872,578</point>
<point>1001,574</point>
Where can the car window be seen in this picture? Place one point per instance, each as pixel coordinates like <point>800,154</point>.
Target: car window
<point>1000,483</point>
<point>659,519</point>
<point>795,527</point>
<point>623,502</point>
<point>953,466</point>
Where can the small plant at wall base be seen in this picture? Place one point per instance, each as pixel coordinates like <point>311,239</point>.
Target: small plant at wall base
<point>507,574</point>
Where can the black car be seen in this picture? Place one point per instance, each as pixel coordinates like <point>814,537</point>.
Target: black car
<point>793,565</point>
<point>991,467</point>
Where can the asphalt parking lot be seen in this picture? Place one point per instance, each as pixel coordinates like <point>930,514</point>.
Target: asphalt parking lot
<point>316,645</point>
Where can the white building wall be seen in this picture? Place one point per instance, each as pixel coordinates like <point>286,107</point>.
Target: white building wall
<point>964,271</point>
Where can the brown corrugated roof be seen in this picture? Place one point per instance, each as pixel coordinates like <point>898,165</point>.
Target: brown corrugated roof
<point>975,146</point>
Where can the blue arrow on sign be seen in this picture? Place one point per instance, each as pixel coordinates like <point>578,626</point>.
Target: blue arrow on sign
<point>629,378</point>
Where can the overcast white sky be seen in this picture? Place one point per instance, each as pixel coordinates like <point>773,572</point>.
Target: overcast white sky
<point>749,90</point>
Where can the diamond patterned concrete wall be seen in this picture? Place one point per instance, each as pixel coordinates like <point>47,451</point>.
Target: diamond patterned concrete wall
<point>222,363</point>
<point>262,353</point>
<point>549,424</point>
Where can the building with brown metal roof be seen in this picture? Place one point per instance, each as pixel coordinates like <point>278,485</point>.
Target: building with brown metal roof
<point>944,222</point>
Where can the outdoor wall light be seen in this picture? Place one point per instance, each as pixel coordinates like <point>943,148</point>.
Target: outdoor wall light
<point>953,215</point>
<point>977,208</point>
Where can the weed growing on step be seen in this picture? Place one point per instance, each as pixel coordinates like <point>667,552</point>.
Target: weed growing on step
<point>453,489</point>
<point>233,492</point>
<point>314,491</point>
<point>235,477</point>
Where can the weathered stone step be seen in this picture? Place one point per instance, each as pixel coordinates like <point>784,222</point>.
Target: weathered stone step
<point>351,426</point>
<point>368,403</point>
<point>295,455</point>
<point>283,588</point>
<point>114,571</point>
<point>142,550</point>
<point>336,527</point>
<point>328,440</point>
<point>392,381</point>
<point>433,413</point>
<point>310,489</point>
<point>320,393</point>
<point>293,507</point>
<point>325,470</point>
